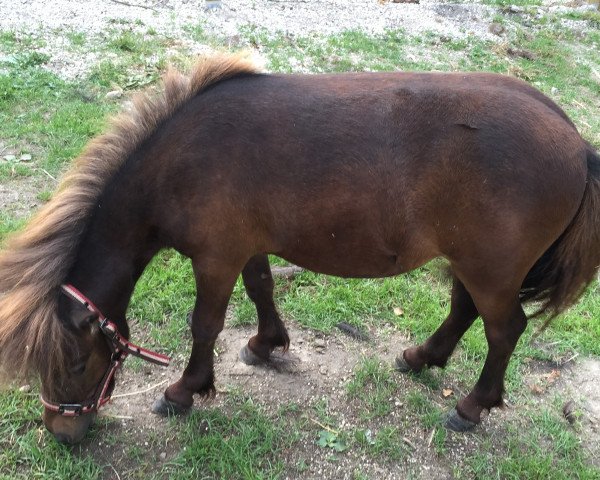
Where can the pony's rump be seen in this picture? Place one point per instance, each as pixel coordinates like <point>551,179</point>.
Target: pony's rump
<point>561,275</point>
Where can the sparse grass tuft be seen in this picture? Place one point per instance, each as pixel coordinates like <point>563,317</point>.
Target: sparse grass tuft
<point>542,446</point>
<point>242,444</point>
<point>374,387</point>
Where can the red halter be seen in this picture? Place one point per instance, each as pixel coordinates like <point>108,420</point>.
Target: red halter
<point>120,348</point>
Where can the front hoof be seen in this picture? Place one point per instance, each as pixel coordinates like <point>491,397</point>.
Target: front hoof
<point>167,408</point>
<point>457,423</point>
<point>249,357</point>
<point>401,365</point>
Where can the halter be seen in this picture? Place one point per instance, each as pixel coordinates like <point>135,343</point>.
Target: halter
<point>120,348</point>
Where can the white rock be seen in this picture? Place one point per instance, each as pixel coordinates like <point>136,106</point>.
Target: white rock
<point>115,94</point>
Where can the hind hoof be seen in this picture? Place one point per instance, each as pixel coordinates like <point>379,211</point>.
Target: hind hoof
<point>401,365</point>
<point>249,357</point>
<point>457,423</point>
<point>166,408</point>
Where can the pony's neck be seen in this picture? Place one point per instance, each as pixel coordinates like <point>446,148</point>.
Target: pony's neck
<point>116,248</point>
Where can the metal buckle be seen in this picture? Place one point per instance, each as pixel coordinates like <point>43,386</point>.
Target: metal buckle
<point>117,356</point>
<point>76,409</point>
<point>111,335</point>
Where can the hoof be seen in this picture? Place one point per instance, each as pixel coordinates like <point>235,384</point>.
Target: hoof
<point>166,408</point>
<point>403,366</point>
<point>249,357</point>
<point>457,423</point>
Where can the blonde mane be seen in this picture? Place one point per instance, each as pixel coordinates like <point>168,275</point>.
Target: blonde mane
<point>37,260</point>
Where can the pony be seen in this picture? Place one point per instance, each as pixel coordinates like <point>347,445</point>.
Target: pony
<point>353,175</point>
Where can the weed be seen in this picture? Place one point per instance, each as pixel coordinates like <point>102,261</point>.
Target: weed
<point>333,440</point>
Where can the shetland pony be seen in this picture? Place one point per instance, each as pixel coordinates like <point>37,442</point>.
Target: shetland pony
<point>354,175</point>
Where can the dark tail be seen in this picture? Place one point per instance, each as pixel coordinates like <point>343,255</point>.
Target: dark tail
<point>560,276</point>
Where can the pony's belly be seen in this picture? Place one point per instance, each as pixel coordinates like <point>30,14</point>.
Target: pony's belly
<point>358,263</point>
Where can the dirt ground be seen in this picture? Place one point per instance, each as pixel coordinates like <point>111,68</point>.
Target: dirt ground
<point>320,366</point>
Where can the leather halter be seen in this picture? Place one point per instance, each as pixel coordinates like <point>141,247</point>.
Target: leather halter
<point>120,347</point>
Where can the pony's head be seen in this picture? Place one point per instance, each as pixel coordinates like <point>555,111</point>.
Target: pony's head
<point>62,342</point>
<point>73,391</point>
<point>88,380</point>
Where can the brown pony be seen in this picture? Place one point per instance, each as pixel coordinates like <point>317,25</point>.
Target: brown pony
<point>354,175</point>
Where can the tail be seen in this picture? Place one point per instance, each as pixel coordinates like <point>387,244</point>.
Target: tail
<point>561,275</point>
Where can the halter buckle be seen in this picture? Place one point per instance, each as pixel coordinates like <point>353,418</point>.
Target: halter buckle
<point>72,409</point>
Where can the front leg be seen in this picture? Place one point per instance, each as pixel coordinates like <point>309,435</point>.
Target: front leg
<point>213,292</point>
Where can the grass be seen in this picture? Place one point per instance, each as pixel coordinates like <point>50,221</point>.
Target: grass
<point>52,119</point>
<point>26,451</point>
<point>538,448</point>
<point>373,385</point>
<point>243,445</point>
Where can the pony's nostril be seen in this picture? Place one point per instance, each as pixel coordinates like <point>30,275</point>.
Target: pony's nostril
<point>63,438</point>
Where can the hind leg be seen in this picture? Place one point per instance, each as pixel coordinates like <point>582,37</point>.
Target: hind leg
<point>437,349</point>
<point>213,291</point>
<point>504,322</point>
<point>259,284</point>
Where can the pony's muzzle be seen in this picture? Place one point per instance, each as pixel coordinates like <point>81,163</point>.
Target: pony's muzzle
<point>69,430</point>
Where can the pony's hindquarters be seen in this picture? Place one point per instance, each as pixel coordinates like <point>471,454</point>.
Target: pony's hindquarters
<point>560,276</point>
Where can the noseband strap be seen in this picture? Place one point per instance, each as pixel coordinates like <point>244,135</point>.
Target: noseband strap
<point>120,347</point>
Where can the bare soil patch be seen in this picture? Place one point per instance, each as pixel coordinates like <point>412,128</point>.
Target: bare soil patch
<point>19,195</point>
<point>320,367</point>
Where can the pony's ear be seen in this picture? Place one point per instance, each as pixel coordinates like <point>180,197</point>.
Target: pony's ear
<point>75,315</point>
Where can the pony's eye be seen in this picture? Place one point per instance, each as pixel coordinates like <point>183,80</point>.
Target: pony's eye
<point>78,369</point>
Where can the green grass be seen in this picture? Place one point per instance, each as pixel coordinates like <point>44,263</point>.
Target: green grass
<point>538,448</point>
<point>28,451</point>
<point>8,225</point>
<point>373,385</point>
<point>245,444</point>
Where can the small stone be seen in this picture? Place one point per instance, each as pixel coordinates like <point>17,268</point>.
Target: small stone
<point>319,343</point>
<point>554,90</point>
<point>114,94</point>
<point>163,455</point>
<point>496,28</point>
<point>10,158</point>
<point>323,370</point>
<point>212,4</point>
<point>515,9</point>
<point>25,389</point>
<point>26,157</point>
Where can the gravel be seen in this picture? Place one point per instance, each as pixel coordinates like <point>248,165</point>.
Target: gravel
<point>96,19</point>
<point>297,17</point>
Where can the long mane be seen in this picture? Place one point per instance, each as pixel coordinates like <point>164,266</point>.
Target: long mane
<point>38,259</point>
